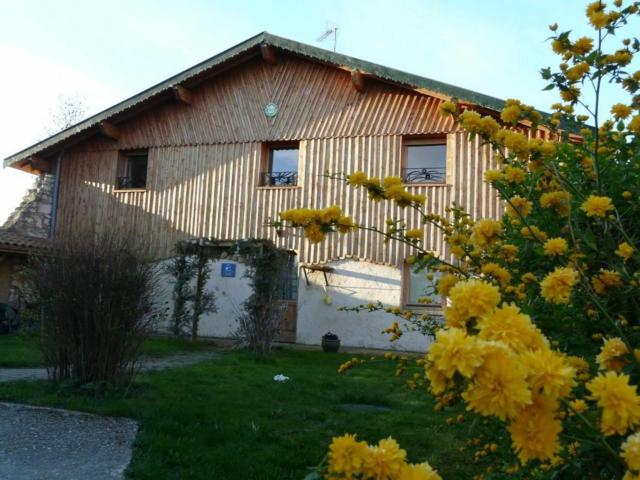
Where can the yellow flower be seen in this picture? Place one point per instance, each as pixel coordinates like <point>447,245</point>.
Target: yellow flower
<point>415,234</point>
<point>330,214</point>
<point>580,364</point>
<point>491,176</point>
<point>511,114</point>
<point>619,402</point>
<point>558,200</point>
<point>454,351</point>
<point>384,460</point>
<point>345,224</point>
<point>438,381</point>
<point>472,298</point>
<point>513,174</point>
<point>510,326</point>
<point>391,180</point>
<point>578,405</point>
<point>497,272</point>
<point>314,233</point>
<point>534,432</point>
<point>357,179</point>
<point>620,110</point>
<point>597,206</point>
<point>634,125</point>
<point>486,232</point>
<point>610,355</point>
<point>625,251</point>
<point>606,279</point>
<point>556,287</point>
<point>448,108</point>
<point>347,456</point>
<point>497,390</point>
<point>582,46</point>
<point>446,283</point>
<point>471,121</point>
<point>576,72</point>
<point>548,374</point>
<point>555,246</point>
<point>519,207</point>
<point>532,232</point>
<point>509,253</point>
<point>631,452</point>
<point>420,471</point>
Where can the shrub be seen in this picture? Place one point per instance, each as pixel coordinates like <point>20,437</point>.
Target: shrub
<point>549,290</point>
<point>95,301</point>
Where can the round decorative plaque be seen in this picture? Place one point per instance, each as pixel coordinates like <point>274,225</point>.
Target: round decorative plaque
<point>271,109</point>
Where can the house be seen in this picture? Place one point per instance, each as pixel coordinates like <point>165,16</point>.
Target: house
<point>221,148</point>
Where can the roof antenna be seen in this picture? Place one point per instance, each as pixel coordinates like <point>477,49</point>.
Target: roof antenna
<point>331,29</point>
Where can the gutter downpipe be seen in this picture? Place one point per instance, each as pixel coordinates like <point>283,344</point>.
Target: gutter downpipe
<point>54,199</point>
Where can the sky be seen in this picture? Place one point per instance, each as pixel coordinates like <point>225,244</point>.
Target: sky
<point>106,52</point>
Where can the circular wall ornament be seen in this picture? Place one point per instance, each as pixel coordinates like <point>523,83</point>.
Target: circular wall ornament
<point>271,109</point>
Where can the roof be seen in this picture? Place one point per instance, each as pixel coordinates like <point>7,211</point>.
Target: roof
<point>15,242</point>
<point>248,48</point>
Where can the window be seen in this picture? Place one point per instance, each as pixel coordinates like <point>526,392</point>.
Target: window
<point>425,161</point>
<point>132,171</point>
<point>417,285</point>
<point>280,165</point>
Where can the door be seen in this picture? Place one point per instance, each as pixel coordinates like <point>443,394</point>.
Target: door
<point>289,302</point>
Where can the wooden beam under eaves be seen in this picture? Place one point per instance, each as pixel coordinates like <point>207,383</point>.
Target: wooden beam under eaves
<point>358,80</point>
<point>182,95</point>
<point>40,164</point>
<point>268,54</point>
<point>109,130</point>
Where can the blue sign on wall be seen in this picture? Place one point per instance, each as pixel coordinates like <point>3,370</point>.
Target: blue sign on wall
<point>228,270</point>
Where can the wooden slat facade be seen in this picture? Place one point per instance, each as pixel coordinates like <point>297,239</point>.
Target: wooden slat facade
<point>204,162</point>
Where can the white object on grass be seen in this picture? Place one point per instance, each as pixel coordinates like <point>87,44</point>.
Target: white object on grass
<point>281,378</point>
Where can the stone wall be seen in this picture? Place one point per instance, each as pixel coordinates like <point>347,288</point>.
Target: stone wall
<point>33,216</point>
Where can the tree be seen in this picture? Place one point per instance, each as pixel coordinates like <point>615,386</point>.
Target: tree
<point>69,110</point>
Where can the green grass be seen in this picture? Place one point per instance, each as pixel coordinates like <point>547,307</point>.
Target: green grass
<point>227,419</point>
<point>21,350</point>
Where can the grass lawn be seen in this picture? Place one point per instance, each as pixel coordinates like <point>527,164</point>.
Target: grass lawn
<point>21,350</point>
<point>227,419</point>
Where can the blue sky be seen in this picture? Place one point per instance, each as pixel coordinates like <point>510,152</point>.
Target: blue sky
<point>108,51</point>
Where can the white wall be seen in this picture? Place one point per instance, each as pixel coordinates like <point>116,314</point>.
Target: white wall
<point>230,293</point>
<point>353,283</point>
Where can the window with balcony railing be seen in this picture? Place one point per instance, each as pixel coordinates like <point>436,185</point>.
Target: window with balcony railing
<point>425,161</point>
<point>132,171</point>
<point>281,166</point>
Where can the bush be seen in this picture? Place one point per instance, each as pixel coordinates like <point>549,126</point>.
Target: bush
<point>95,302</point>
<point>541,332</point>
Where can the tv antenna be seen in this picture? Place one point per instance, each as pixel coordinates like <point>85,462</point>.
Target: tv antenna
<point>329,31</point>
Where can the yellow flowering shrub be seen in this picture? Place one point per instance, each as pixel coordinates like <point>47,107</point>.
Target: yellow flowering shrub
<point>541,331</point>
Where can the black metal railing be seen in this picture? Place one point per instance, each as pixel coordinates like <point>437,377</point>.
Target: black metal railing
<point>279,179</point>
<point>130,183</point>
<point>423,175</point>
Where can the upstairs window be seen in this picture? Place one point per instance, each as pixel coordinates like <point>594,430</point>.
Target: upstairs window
<point>418,286</point>
<point>132,171</point>
<point>425,161</point>
<point>280,165</point>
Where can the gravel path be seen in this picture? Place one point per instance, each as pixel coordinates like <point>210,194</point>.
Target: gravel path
<point>149,364</point>
<point>51,444</point>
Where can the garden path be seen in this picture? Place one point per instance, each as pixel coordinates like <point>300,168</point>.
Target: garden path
<point>146,364</point>
<point>54,444</point>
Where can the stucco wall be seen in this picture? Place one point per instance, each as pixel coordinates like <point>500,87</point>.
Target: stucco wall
<point>353,283</point>
<point>230,293</point>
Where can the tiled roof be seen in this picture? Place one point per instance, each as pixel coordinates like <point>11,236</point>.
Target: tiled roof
<point>15,242</point>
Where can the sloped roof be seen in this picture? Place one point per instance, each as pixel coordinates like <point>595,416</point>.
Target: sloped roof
<point>15,242</point>
<point>248,48</point>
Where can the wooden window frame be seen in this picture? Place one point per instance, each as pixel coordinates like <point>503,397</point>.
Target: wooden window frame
<point>417,140</point>
<point>406,275</point>
<point>121,168</point>
<point>266,160</point>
